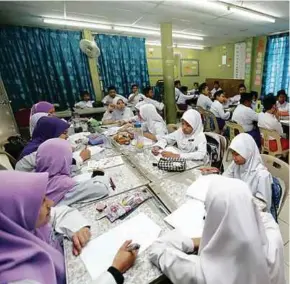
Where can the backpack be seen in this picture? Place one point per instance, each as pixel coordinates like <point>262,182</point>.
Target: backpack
<point>15,146</point>
<point>276,198</point>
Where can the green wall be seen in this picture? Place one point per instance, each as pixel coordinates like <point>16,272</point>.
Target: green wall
<point>210,63</point>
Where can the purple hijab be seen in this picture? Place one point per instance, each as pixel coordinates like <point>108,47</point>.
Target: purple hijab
<point>25,252</point>
<point>55,157</point>
<point>41,107</point>
<point>46,128</point>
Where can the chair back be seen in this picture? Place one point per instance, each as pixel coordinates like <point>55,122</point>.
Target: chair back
<point>234,129</point>
<point>268,135</point>
<point>210,122</point>
<point>7,162</point>
<point>280,170</point>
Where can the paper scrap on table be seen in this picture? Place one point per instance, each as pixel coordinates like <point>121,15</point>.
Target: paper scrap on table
<point>112,131</point>
<point>105,163</point>
<point>99,253</point>
<point>188,218</point>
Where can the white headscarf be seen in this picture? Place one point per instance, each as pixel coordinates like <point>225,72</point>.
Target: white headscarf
<point>246,146</point>
<point>193,118</point>
<point>233,246</point>
<point>34,119</point>
<point>149,114</point>
<point>118,114</point>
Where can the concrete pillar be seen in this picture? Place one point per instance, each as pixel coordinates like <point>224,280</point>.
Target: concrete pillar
<point>93,69</point>
<point>168,71</point>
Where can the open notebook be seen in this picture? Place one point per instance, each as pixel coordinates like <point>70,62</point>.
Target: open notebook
<point>98,255</point>
<point>188,218</point>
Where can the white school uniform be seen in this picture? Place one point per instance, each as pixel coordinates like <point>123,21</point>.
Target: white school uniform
<point>183,98</point>
<point>153,122</point>
<point>218,110</point>
<point>237,246</point>
<point>253,172</point>
<point>159,105</point>
<point>235,100</point>
<point>204,101</point>
<point>213,91</point>
<point>283,107</point>
<point>107,100</point>
<point>192,146</point>
<point>84,104</point>
<point>269,121</point>
<point>136,99</point>
<point>245,116</point>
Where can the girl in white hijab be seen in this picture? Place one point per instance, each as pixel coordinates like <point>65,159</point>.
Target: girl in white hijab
<point>117,112</point>
<point>34,119</point>
<point>154,126</point>
<point>247,165</point>
<point>235,247</point>
<point>190,139</point>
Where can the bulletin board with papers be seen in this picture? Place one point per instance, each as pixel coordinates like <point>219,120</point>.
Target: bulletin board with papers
<point>189,67</point>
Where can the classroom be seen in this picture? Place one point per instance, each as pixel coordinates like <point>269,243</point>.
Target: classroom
<point>144,142</point>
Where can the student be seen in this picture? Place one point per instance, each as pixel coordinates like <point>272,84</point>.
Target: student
<point>46,128</point>
<point>235,100</point>
<point>216,87</point>
<point>218,110</point>
<point>248,166</point>
<point>112,93</point>
<point>117,112</point>
<point>184,98</point>
<point>195,88</point>
<point>154,127</point>
<point>55,157</point>
<point>269,119</point>
<point>34,119</point>
<point>246,117</point>
<point>85,100</point>
<point>148,93</point>
<point>254,100</point>
<point>238,245</point>
<point>135,97</point>
<point>190,139</point>
<point>177,86</point>
<point>282,104</point>
<point>203,100</point>
<point>31,231</point>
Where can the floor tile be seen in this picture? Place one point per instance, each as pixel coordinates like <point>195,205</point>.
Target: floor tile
<point>284,228</point>
<point>284,215</point>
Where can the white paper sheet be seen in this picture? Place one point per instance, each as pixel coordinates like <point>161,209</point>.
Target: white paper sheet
<point>111,131</point>
<point>98,255</point>
<point>188,218</point>
<point>82,177</point>
<point>105,163</point>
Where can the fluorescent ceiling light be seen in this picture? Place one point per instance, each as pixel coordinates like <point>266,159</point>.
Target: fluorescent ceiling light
<point>136,31</point>
<point>70,23</point>
<point>190,46</point>
<point>155,43</point>
<point>186,36</point>
<point>252,14</point>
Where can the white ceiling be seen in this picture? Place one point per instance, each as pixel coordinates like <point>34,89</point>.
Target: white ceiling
<point>217,26</point>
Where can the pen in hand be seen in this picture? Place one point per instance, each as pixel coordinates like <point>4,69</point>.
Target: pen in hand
<point>133,247</point>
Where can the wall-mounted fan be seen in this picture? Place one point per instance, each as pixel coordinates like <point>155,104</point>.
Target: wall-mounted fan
<point>90,48</point>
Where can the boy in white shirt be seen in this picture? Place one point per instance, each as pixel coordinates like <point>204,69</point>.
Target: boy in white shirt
<point>184,99</point>
<point>216,87</point>
<point>282,104</point>
<point>269,120</point>
<point>203,100</point>
<point>235,100</point>
<point>246,117</point>
<point>218,110</point>
<point>177,86</point>
<point>85,100</point>
<point>112,93</point>
<point>135,97</point>
<point>148,93</point>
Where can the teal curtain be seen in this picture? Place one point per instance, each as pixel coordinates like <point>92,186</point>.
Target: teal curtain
<point>276,74</point>
<point>42,64</point>
<point>122,62</point>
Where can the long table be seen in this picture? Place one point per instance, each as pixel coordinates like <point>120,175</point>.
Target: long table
<point>168,191</point>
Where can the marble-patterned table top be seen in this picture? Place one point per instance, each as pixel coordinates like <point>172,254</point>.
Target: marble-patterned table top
<point>143,271</point>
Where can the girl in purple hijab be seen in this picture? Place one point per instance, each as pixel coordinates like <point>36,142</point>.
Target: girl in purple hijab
<point>29,249</point>
<point>55,157</point>
<point>42,107</point>
<point>46,128</point>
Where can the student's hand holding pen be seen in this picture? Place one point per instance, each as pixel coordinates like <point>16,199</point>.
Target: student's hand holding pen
<point>155,150</point>
<point>80,239</point>
<point>124,259</point>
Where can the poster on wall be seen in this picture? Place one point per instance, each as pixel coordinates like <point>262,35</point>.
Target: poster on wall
<point>155,67</point>
<point>189,67</point>
<point>239,60</point>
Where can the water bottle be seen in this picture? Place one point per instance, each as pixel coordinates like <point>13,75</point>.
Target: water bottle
<point>138,135</point>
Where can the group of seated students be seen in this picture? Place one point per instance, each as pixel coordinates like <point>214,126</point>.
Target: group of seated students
<point>241,243</point>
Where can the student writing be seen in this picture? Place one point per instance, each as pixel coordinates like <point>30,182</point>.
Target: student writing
<point>203,100</point>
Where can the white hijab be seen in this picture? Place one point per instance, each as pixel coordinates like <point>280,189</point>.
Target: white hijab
<point>193,118</point>
<point>119,114</point>
<point>150,115</point>
<point>34,119</point>
<point>246,146</point>
<point>233,246</point>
